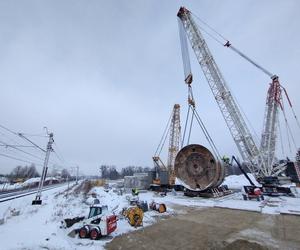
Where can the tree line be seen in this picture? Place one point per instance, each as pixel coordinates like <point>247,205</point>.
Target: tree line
<point>27,172</point>
<point>111,172</point>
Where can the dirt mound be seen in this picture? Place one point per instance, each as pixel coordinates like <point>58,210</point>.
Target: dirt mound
<point>86,186</point>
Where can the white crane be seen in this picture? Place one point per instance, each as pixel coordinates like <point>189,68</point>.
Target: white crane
<point>260,160</point>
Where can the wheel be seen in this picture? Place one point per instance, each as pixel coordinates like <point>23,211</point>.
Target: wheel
<point>244,197</point>
<point>95,233</point>
<point>258,199</point>
<point>84,232</point>
<point>262,197</point>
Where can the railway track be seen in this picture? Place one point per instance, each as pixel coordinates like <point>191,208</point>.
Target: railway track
<point>19,194</point>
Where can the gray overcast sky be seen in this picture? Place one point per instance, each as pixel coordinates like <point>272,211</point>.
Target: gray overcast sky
<point>104,75</point>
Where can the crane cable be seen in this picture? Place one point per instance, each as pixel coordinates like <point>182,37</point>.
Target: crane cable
<point>226,43</point>
<point>288,130</point>
<point>163,138</point>
<point>212,29</point>
<point>185,126</point>
<point>195,114</point>
<point>291,106</point>
<point>280,134</point>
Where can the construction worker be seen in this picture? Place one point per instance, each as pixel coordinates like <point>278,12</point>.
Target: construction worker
<point>135,192</point>
<point>226,159</point>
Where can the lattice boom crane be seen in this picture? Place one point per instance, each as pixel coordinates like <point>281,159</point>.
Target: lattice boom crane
<point>260,159</point>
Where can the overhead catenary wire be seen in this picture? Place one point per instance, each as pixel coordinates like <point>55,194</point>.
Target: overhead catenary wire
<point>21,150</point>
<point>18,159</point>
<point>17,145</point>
<point>22,136</point>
<point>58,154</point>
<point>37,146</point>
<point>9,130</point>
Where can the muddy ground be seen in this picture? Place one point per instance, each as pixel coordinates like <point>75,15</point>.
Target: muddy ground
<point>215,228</point>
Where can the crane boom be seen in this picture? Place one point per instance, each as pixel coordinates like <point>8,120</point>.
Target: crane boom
<point>229,109</point>
<point>269,133</point>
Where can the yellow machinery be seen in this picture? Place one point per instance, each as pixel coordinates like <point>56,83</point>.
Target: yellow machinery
<point>173,130</point>
<point>134,216</point>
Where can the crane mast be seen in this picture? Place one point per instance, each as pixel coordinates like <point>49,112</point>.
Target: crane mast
<point>269,135</point>
<point>174,137</point>
<point>229,109</point>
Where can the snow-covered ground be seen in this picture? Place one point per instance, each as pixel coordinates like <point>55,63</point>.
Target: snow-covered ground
<point>7,186</point>
<point>38,227</point>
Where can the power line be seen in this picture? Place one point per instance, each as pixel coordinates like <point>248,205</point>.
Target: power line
<point>9,130</point>
<point>22,136</point>
<point>18,146</point>
<point>25,138</point>
<point>23,151</point>
<point>18,159</point>
<point>58,154</point>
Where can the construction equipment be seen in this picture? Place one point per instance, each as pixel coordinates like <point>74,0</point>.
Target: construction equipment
<point>173,130</point>
<point>159,207</point>
<point>252,193</point>
<point>260,161</point>
<point>99,223</point>
<point>270,186</point>
<point>134,215</point>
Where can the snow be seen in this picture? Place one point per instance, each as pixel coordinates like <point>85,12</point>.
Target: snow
<point>38,227</point>
<point>238,181</point>
<point>7,186</point>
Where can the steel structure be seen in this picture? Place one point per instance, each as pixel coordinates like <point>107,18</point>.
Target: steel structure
<point>260,160</point>
<point>269,135</point>
<point>173,131</point>
<point>174,137</point>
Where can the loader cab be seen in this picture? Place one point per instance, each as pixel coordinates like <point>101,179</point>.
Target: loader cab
<point>97,210</point>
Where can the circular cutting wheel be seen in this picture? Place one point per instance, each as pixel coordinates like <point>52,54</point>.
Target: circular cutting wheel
<point>196,166</point>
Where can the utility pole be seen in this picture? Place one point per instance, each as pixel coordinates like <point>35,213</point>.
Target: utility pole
<point>38,200</point>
